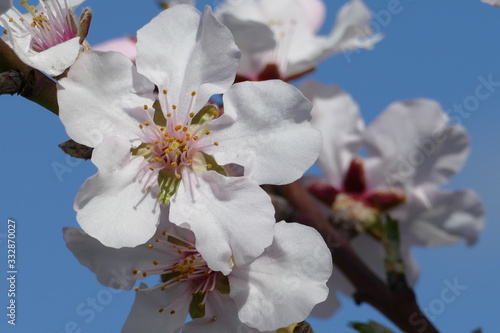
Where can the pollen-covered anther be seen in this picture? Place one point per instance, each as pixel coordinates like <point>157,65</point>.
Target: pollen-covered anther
<point>165,91</point>
<point>172,312</point>
<point>140,126</point>
<point>146,107</point>
<point>144,274</point>
<point>151,168</point>
<point>135,271</point>
<point>216,143</point>
<point>155,263</point>
<point>161,310</point>
<point>191,114</point>
<point>174,107</point>
<point>178,127</point>
<point>147,123</point>
<point>209,166</point>
<point>150,246</point>
<point>136,288</point>
<point>193,93</point>
<point>207,132</point>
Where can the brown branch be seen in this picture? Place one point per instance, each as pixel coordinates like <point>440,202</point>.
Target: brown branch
<point>399,306</point>
<point>38,87</point>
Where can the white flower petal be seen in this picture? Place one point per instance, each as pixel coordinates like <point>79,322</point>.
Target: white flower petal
<point>409,145</point>
<point>103,96</point>
<point>494,3</point>
<point>249,36</point>
<point>223,309</point>
<point>283,285</point>
<point>352,29</point>
<point>204,59</point>
<point>263,126</point>
<point>111,205</point>
<point>452,217</point>
<point>52,61</point>
<point>113,267</point>
<point>229,217</point>
<point>336,115</point>
<point>145,316</point>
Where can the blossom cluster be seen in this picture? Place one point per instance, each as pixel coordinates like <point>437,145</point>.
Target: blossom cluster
<point>190,119</point>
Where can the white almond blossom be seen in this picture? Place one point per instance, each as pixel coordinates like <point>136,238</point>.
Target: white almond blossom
<point>276,290</point>
<point>47,37</point>
<point>494,3</point>
<point>168,147</point>
<point>279,40</point>
<point>411,151</point>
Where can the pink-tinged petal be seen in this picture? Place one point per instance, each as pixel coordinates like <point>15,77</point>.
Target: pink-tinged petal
<point>112,205</point>
<point>263,125</point>
<point>452,217</point>
<point>494,3</point>
<point>315,11</point>
<point>411,146</point>
<point>103,96</point>
<point>299,263</point>
<point>113,267</point>
<point>145,316</point>
<point>195,52</point>
<point>124,45</point>
<point>336,115</point>
<point>222,308</point>
<point>230,217</point>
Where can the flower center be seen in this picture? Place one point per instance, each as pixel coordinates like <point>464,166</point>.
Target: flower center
<point>48,28</point>
<point>175,140</point>
<point>184,268</point>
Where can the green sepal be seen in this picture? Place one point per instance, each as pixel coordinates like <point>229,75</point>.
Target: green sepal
<point>195,311</point>
<point>371,327</point>
<point>205,159</point>
<point>159,117</point>
<point>203,115</point>
<point>222,284</point>
<point>168,276</point>
<point>168,185</point>
<point>141,151</point>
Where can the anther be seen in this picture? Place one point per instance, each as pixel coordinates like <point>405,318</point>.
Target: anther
<point>147,123</point>
<point>146,107</point>
<point>151,168</point>
<point>172,312</point>
<point>191,114</point>
<point>207,132</point>
<point>150,246</point>
<point>136,288</point>
<point>161,310</point>
<point>216,143</point>
<point>174,107</point>
<point>140,126</point>
<point>144,274</point>
<point>193,93</point>
<point>155,262</point>
<point>165,91</point>
<point>135,271</point>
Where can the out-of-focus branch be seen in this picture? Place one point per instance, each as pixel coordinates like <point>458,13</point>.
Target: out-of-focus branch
<point>37,87</point>
<point>399,306</point>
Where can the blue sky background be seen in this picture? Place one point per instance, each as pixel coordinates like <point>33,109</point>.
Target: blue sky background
<point>433,49</point>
